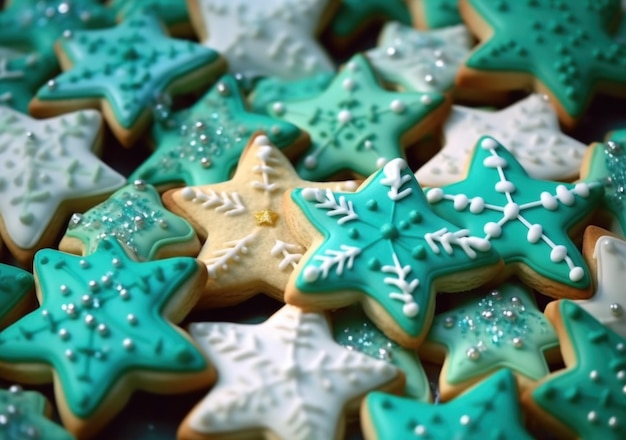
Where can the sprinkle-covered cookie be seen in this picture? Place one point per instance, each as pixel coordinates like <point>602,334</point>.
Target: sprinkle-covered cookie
<point>422,61</point>
<point>490,409</point>
<point>24,415</point>
<point>357,125</point>
<point>134,216</point>
<point>355,331</point>
<point>586,399</point>
<point>249,248</point>
<point>47,171</point>
<point>202,144</point>
<point>606,255</point>
<point>430,14</point>
<point>269,38</point>
<point>16,287</point>
<point>529,129</point>
<point>103,331</point>
<point>385,247</point>
<point>528,221</point>
<point>488,331</point>
<point>21,74</point>
<point>284,378</point>
<point>173,13</point>
<point>563,49</point>
<point>123,70</point>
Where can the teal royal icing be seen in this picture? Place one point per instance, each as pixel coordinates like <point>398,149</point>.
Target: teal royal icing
<point>526,220</point>
<point>101,317</point>
<point>202,145</point>
<point>441,13</point>
<point>567,45</point>
<point>355,14</point>
<point>170,11</point>
<point>385,242</point>
<point>21,74</point>
<point>15,284</point>
<point>490,410</point>
<point>588,395</point>
<point>129,65</point>
<point>135,216</point>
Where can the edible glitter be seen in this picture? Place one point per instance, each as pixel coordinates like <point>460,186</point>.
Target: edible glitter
<point>615,161</point>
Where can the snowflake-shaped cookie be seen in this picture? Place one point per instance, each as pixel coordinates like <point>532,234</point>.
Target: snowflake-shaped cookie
<point>249,248</point>
<point>103,320</point>
<point>422,61</point>
<point>285,376</point>
<point>529,129</point>
<point>527,220</point>
<point>272,37</point>
<point>44,164</point>
<point>383,245</point>
<point>356,124</point>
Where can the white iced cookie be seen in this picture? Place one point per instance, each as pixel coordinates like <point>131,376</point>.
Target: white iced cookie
<point>529,129</point>
<point>424,61</point>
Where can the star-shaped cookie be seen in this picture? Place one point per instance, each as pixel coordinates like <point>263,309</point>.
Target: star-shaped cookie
<point>134,215</point>
<point>487,331</point>
<point>606,255</point>
<point>422,61</point>
<point>123,70</point>
<point>563,49</point>
<point>48,170</point>
<point>273,37</point>
<point>488,410</point>
<point>249,248</point>
<point>529,129</point>
<point>357,125</point>
<point>528,221</point>
<point>285,377</point>
<point>586,399</point>
<point>103,330</point>
<point>202,144</point>
<point>382,245</point>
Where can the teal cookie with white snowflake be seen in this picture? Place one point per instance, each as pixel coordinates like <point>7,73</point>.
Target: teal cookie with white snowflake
<point>528,221</point>
<point>384,247</point>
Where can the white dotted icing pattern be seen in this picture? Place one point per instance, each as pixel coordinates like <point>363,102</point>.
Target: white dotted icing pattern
<point>286,374</point>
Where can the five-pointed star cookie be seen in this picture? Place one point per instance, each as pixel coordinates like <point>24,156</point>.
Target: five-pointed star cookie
<point>273,37</point>
<point>123,70</point>
<point>528,221</point>
<point>48,169</point>
<point>488,410</point>
<point>285,377</point>
<point>422,61</point>
<point>606,255</point>
<point>134,215</point>
<point>16,286</point>
<point>563,49</point>
<point>430,14</point>
<point>586,399</point>
<point>529,129</point>
<point>249,248</point>
<point>36,24</point>
<point>202,144</point>
<point>382,245</point>
<point>21,74</point>
<point>357,125</point>
<point>104,320</point>
<point>488,331</point>
<point>24,415</point>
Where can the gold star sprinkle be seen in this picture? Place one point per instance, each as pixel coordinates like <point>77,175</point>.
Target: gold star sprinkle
<point>266,217</point>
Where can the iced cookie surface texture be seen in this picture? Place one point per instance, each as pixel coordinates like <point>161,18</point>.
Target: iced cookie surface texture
<point>606,254</point>
<point>16,286</point>
<point>489,331</point>
<point>526,220</point>
<point>202,144</point>
<point>274,37</point>
<point>357,125</point>
<point>529,129</point>
<point>285,377</point>
<point>249,248</point>
<point>135,216</point>
<point>21,75</point>
<point>563,49</point>
<point>423,61</point>
<point>488,410</point>
<point>429,14</point>
<point>385,247</point>
<point>123,70</point>
<point>102,331</point>
<point>586,399</point>
<point>173,13</point>
<point>47,170</point>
